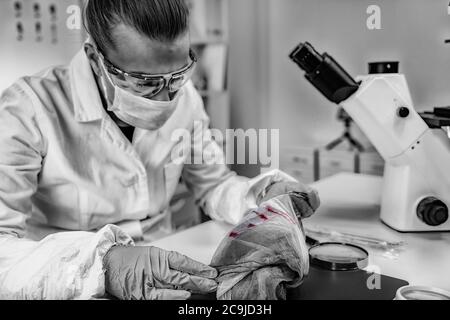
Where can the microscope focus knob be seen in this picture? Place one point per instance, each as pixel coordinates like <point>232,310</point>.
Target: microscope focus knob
<point>403,112</point>
<point>432,211</point>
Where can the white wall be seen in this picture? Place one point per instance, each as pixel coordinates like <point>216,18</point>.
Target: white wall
<point>413,32</point>
<point>248,67</point>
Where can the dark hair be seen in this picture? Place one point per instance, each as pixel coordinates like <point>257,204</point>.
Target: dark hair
<point>161,20</point>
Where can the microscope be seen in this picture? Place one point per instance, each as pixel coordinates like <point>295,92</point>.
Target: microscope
<point>416,185</point>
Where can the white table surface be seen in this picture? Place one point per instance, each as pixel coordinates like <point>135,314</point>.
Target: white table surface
<point>349,203</point>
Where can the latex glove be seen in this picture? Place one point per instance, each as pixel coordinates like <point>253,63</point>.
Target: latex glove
<point>305,199</point>
<point>150,273</point>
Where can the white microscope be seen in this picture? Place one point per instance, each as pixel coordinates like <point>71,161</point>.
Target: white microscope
<point>416,187</point>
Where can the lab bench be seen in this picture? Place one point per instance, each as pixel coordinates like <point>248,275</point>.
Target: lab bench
<point>350,203</point>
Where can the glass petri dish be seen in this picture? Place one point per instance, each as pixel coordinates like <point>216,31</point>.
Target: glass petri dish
<point>338,256</point>
<point>422,293</point>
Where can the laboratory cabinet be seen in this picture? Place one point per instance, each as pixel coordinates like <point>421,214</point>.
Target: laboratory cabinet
<point>210,41</point>
<point>308,164</point>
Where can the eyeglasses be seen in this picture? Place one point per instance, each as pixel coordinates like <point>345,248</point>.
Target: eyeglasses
<point>150,85</point>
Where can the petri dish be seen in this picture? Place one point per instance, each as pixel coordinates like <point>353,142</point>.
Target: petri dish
<point>421,293</point>
<point>339,256</point>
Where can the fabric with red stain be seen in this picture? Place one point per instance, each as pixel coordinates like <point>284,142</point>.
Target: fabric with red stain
<point>264,255</point>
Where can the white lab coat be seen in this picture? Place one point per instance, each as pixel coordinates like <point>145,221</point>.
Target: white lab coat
<point>65,165</point>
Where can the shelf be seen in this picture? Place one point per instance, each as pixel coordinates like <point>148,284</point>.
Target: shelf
<point>209,21</point>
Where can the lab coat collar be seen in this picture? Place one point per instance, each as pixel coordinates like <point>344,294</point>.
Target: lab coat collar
<point>88,105</point>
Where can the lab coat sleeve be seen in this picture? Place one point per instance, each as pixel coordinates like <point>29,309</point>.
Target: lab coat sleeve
<point>61,266</point>
<point>223,195</point>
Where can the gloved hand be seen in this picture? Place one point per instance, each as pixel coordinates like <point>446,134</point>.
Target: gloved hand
<point>305,200</point>
<point>150,273</point>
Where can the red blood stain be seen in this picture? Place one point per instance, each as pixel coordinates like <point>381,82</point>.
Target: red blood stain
<point>234,234</point>
<point>270,209</point>
<point>287,216</point>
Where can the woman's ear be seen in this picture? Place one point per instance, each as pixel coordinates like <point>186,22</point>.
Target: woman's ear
<point>93,58</point>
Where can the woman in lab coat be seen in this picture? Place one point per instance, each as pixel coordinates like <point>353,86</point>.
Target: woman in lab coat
<point>87,160</point>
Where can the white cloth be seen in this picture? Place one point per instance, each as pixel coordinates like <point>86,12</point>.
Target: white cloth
<point>65,164</point>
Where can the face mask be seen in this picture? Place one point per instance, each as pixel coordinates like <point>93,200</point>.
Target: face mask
<point>140,112</point>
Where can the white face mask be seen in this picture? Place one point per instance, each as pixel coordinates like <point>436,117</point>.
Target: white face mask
<point>140,112</point>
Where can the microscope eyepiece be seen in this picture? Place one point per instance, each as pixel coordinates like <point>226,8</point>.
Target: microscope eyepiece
<point>324,73</point>
<point>306,57</point>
